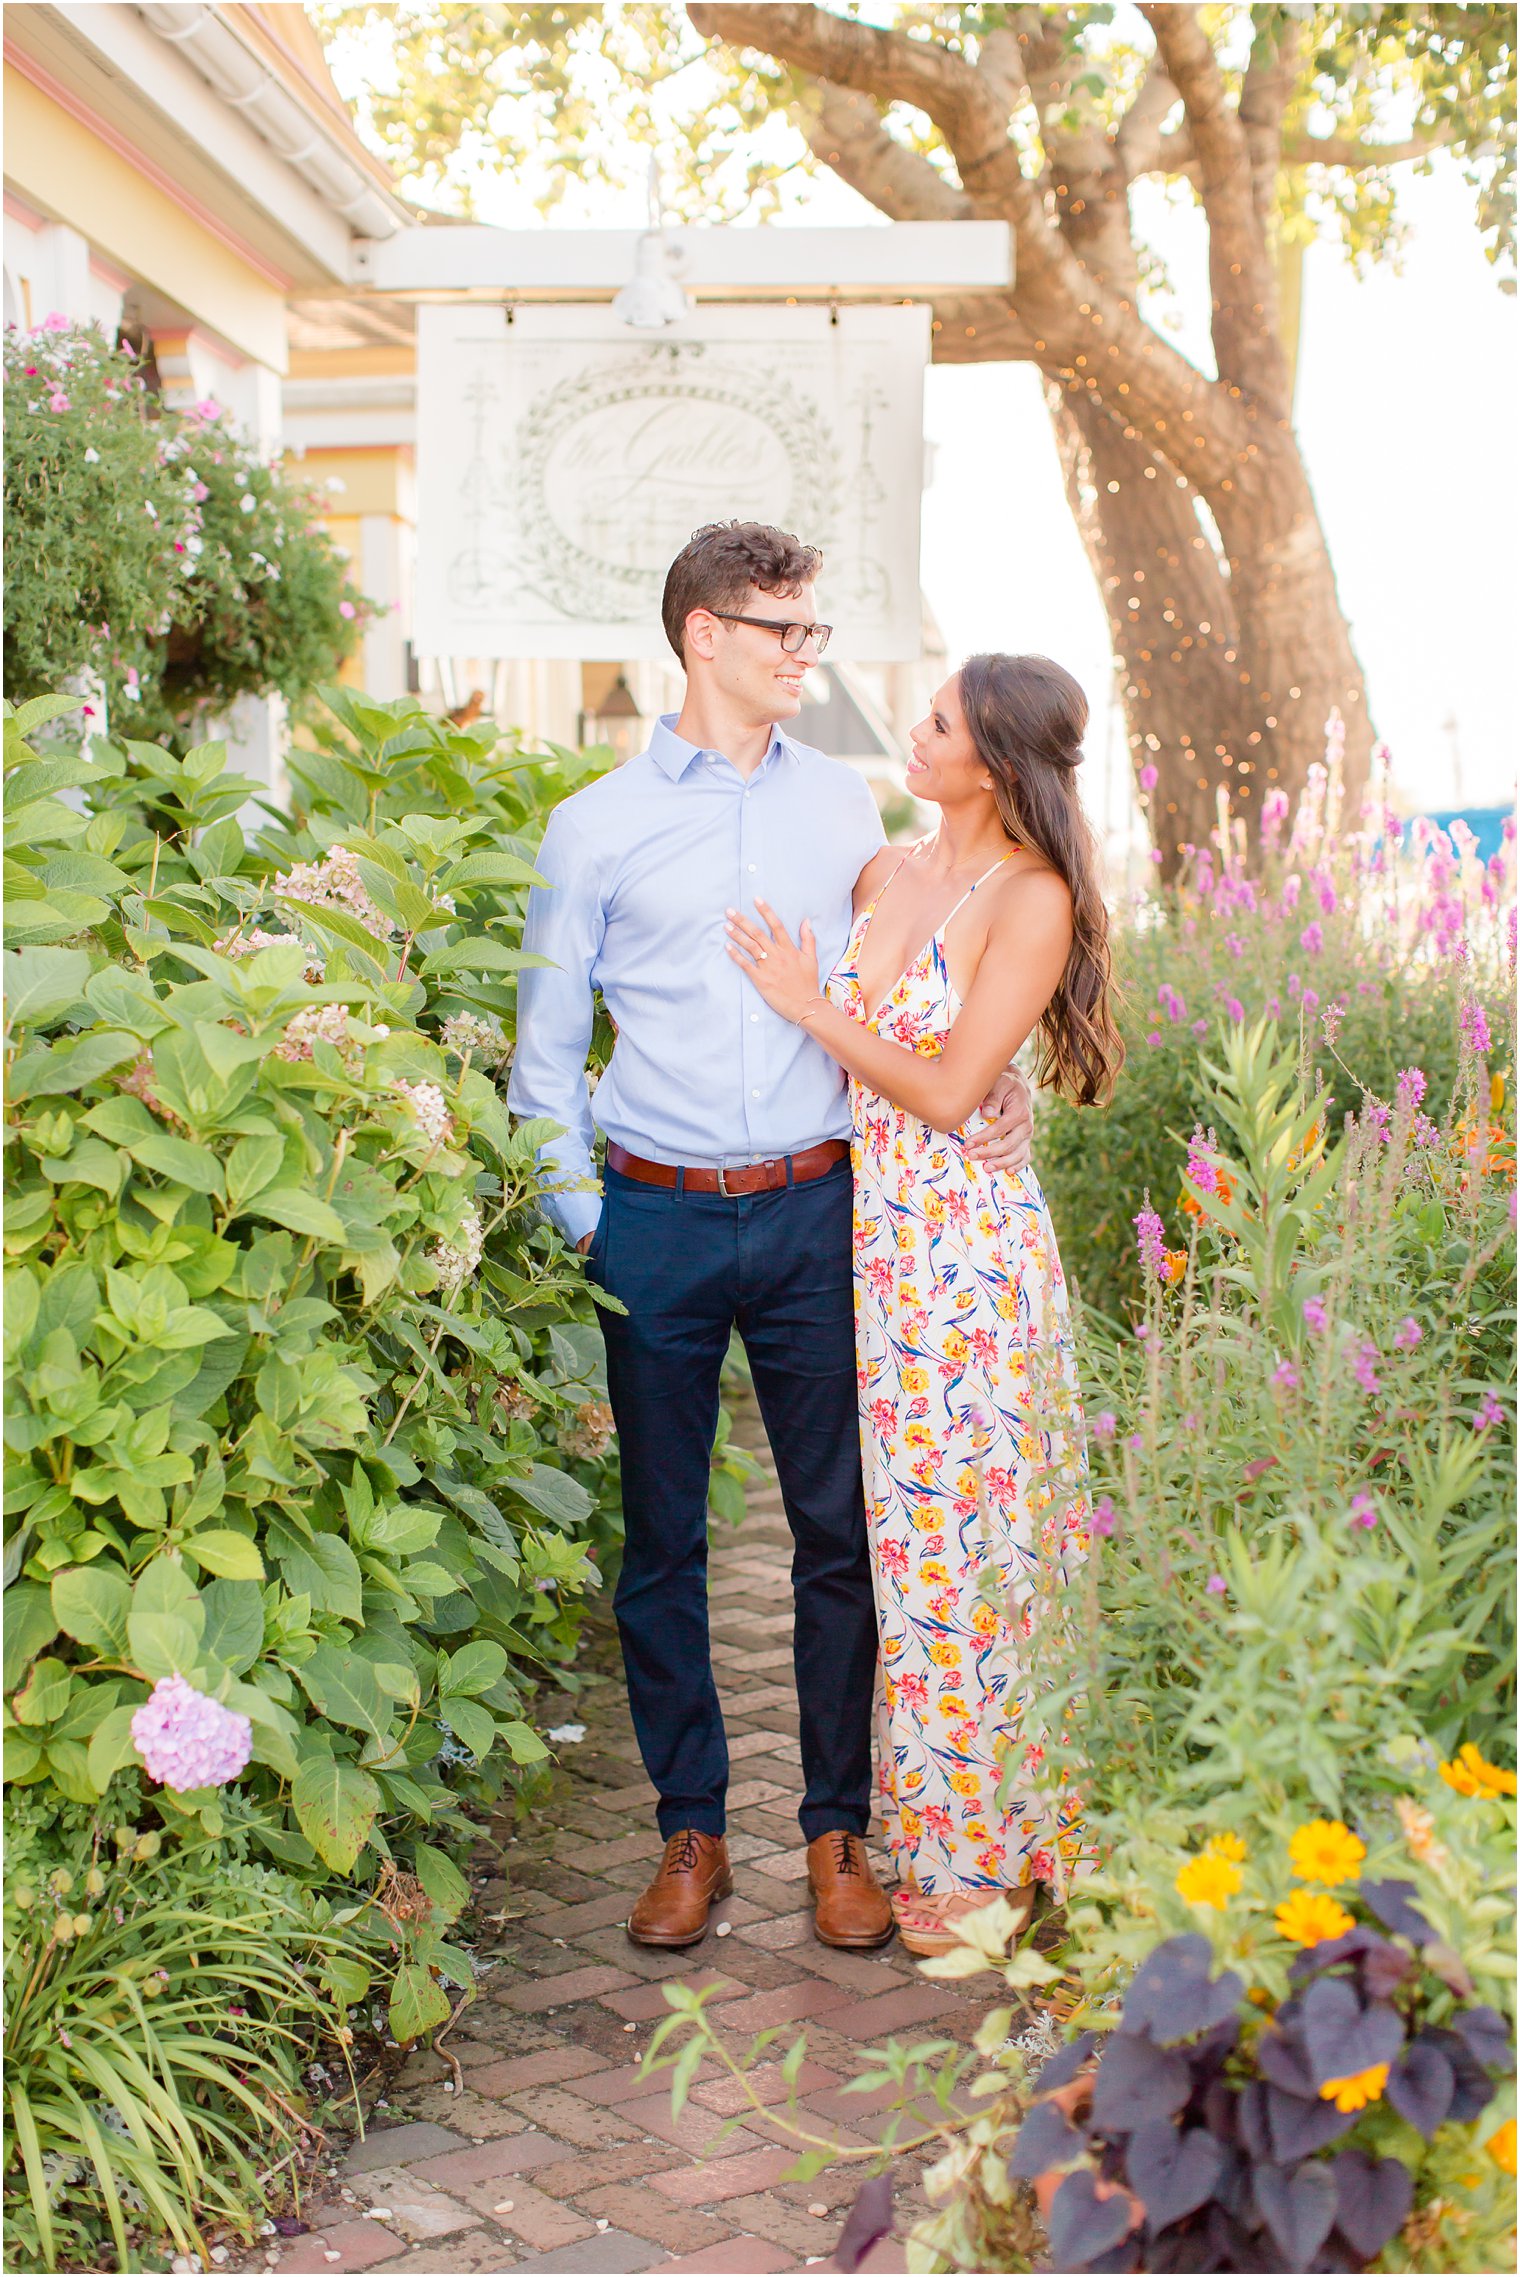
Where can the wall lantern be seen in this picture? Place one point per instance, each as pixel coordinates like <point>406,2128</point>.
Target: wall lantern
<point>616,720</point>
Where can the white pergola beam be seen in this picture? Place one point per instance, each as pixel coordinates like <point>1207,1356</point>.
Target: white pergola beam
<point>897,260</point>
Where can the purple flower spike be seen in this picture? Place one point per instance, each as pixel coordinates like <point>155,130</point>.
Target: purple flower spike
<point>1104,1424</point>
<point>1315,1314</point>
<point>1473,1027</point>
<point>1408,1334</point>
<point>186,1739</point>
<point>1103,1520</point>
<point>1364,1511</point>
<point>1488,1412</point>
<point>1150,1238</point>
<point>1285,1375</point>
<point>1364,1367</point>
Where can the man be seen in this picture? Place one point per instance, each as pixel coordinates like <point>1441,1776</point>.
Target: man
<point>727,1198</point>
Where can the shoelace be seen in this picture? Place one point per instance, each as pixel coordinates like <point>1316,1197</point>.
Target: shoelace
<point>683,1856</point>
<point>845,1860</point>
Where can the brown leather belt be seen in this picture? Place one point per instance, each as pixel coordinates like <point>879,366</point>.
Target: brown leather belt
<point>743,1178</point>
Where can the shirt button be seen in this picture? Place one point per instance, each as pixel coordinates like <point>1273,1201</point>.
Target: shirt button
<point>754,1094</point>
<point>750,867</point>
<point>754,1015</point>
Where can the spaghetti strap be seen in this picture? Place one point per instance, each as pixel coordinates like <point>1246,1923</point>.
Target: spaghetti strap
<point>870,907</point>
<point>971,889</point>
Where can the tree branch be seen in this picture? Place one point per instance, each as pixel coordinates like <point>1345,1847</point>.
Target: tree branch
<point>1080,328</point>
<point>1246,342</point>
<point>1138,140</point>
<point>844,128</point>
<point>1346,150</point>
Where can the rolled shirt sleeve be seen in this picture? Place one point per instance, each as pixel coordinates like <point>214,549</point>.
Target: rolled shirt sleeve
<point>555,1015</point>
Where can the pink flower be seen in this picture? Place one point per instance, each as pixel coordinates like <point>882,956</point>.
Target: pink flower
<point>187,1740</point>
<point>1488,1412</point>
<point>1103,1518</point>
<point>1408,1334</point>
<point>347,609</point>
<point>1315,1315</point>
<point>1312,938</point>
<point>1200,1028</point>
<point>1136,1442</point>
<point>1234,1009</point>
<point>1411,1087</point>
<point>1150,1238</point>
<point>1364,1367</point>
<point>1104,1424</point>
<point>55,321</point>
<point>1364,1511</point>
<point>1217,1586</point>
<point>1473,1028</point>
<point>58,401</point>
<point>1285,1375</point>
<point>1149,777</point>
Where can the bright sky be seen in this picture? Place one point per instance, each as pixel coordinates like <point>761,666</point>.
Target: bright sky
<point>1402,387</point>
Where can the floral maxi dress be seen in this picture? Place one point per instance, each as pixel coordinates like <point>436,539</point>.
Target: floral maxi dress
<point>975,1469</point>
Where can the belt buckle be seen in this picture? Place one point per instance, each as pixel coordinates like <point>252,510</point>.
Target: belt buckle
<point>723,1186</point>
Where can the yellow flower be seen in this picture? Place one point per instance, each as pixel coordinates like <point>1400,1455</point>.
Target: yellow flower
<point>1309,1917</point>
<point>1326,1851</point>
<point>1226,1846</point>
<point>1208,1880</point>
<point>1173,1266</point>
<point>915,1379</point>
<point>944,1654</point>
<point>1501,2147</point>
<point>1357,2089</point>
<point>1470,1775</point>
<point>965,1783</point>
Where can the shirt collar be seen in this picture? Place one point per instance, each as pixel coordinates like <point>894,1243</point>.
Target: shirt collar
<point>672,754</point>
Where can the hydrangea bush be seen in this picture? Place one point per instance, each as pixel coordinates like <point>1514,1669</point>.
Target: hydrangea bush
<point>300,1476</point>
<point>1374,942</point>
<point>154,550</point>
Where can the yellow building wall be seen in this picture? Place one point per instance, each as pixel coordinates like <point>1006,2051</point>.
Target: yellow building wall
<point>63,168</point>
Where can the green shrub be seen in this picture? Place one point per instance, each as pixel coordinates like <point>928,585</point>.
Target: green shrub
<point>1367,951</point>
<point>155,549</point>
<point>304,1392</point>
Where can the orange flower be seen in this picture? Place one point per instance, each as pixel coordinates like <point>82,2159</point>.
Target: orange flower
<point>1173,1266</point>
<point>1501,2147</point>
<point>1326,1851</point>
<point>1470,1775</point>
<point>1310,1917</point>
<point>1357,2089</point>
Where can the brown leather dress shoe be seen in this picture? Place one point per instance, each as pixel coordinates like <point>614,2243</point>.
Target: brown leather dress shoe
<point>851,1909</point>
<point>694,1874</point>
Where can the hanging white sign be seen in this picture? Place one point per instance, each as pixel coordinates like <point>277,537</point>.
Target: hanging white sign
<point>565,459</point>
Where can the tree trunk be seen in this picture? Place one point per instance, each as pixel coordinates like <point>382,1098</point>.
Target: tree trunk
<point>1231,662</point>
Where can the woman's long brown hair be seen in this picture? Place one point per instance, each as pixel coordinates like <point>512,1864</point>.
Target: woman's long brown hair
<point>1027,718</point>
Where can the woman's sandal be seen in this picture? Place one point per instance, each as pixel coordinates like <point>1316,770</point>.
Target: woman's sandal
<point>926,1923</point>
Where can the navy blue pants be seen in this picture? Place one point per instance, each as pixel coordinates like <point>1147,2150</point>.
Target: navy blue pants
<point>691,1268</point>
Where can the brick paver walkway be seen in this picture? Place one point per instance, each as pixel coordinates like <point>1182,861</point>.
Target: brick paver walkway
<point>555,2156</point>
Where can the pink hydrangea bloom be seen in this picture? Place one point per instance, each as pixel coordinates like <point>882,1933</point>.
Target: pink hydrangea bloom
<point>187,1739</point>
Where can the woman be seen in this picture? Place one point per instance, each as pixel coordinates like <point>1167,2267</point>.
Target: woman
<point>964,946</point>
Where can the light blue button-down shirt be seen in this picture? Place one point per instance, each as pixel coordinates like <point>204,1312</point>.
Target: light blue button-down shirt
<point>642,866</point>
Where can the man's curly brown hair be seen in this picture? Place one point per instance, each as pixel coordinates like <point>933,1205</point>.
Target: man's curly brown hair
<point>720,565</point>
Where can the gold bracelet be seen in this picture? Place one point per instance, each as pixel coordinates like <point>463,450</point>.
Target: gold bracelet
<point>802,1017</point>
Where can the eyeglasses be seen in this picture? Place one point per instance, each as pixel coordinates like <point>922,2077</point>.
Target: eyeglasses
<point>794,637</point>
